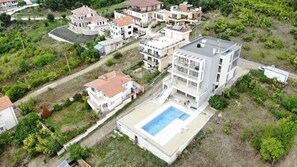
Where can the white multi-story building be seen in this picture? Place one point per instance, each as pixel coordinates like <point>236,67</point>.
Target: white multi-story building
<point>110,90</point>
<point>8,119</point>
<point>158,51</point>
<point>201,68</point>
<point>182,14</point>
<point>8,3</point>
<point>122,27</point>
<point>85,20</point>
<point>142,11</point>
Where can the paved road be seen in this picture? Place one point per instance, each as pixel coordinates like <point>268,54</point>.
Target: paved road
<point>72,76</point>
<point>253,65</point>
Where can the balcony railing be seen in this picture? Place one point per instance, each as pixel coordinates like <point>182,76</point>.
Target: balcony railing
<point>145,44</point>
<point>151,54</point>
<point>152,63</point>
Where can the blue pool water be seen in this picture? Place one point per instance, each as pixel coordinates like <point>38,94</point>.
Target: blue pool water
<point>161,121</point>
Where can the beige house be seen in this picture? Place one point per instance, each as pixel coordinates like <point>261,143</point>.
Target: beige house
<point>142,11</point>
<point>122,27</point>
<point>184,14</point>
<point>158,51</point>
<point>85,20</point>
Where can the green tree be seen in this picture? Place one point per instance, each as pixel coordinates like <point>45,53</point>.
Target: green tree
<point>77,152</point>
<point>27,107</point>
<point>5,19</point>
<point>28,125</point>
<point>271,149</point>
<point>50,17</point>
<point>218,102</point>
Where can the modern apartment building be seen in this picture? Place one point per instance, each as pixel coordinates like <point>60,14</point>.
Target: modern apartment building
<point>85,20</point>
<point>184,14</point>
<point>142,11</point>
<point>122,27</point>
<point>201,68</point>
<point>158,51</point>
<point>110,90</point>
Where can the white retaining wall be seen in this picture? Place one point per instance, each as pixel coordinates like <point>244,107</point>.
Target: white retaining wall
<point>92,128</point>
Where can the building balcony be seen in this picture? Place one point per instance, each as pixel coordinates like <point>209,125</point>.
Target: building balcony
<point>185,65</point>
<point>152,63</point>
<point>142,51</point>
<point>185,75</point>
<point>190,89</point>
<point>161,43</point>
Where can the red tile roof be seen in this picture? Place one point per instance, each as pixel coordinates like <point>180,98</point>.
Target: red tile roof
<point>2,1</point>
<point>96,19</point>
<point>111,83</point>
<point>123,21</point>
<point>84,10</point>
<point>143,3</point>
<point>5,103</point>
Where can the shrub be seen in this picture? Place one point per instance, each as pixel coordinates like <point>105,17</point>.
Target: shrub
<point>27,107</point>
<point>274,43</point>
<point>63,16</point>
<point>290,103</point>
<point>109,62</point>
<point>77,97</point>
<point>242,84</point>
<point>248,38</point>
<point>245,135</point>
<point>57,107</point>
<point>86,105</point>
<point>67,102</point>
<point>42,60</point>
<point>23,66</point>
<point>77,152</point>
<point>218,102</point>
<point>16,91</point>
<point>227,129</point>
<point>271,149</point>
<point>50,17</point>
<point>118,55</point>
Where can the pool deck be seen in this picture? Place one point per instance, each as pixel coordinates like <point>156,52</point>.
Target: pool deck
<point>180,137</point>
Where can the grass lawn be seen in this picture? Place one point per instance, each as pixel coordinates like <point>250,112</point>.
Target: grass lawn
<point>108,11</point>
<point>71,120</point>
<point>39,12</point>
<point>116,151</point>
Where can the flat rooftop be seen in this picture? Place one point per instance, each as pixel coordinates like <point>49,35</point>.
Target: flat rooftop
<point>160,43</point>
<point>172,138</point>
<point>208,44</point>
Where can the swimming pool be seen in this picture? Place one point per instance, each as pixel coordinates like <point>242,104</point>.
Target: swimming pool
<point>162,120</point>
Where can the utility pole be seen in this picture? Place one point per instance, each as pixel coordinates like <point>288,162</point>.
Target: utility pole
<point>67,62</point>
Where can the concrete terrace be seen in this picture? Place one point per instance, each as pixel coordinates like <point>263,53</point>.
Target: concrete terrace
<point>160,43</point>
<point>180,140</point>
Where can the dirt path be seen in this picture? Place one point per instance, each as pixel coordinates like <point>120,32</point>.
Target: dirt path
<point>58,82</point>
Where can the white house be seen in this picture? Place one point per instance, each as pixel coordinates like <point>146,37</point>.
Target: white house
<point>110,90</point>
<point>122,27</point>
<point>280,75</point>
<point>158,51</point>
<point>8,119</point>
<point>109,45</point>
<point>8,3</point>
<point>85,20</point>
<point>142,11</point>
<point>201,68</point>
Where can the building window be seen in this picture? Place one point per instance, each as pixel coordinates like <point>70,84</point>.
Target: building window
<point>129,26</point>
<point>221,61</point>
<point>93,89</point>
<point>218,77</point>
<point>129,32</point>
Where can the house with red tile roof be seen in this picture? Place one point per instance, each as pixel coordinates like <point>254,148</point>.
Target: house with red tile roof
<point>142,11</point>
<point>8,3</point>
<point>110,90</point>
<point>122,27</point>
<point>85,20</point>
<point>8,119</point>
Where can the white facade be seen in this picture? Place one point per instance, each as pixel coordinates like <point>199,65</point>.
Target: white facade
<point>158,51</point>
<point>8,118</point>
<point>202,67</point>
<point>109,45</point>
<point>85,20</point>
<point>118,31</point>
<point>280,75</point>
<point>8,3</point>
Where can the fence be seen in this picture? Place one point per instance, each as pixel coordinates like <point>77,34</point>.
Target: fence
<point>92,128</point>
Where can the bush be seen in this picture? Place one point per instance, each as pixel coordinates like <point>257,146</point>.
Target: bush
<point>50,17</point>
<point>67,102</point>
<point>57,107</point>
<point>77,97</point>
<point>242,84</point>
<point>23,66</point>
<point>118,55</point>
<point>274,43</point>
<point>27,107</point>
<point>77,152</point>
<point>245,135</point>
<point>290,103</point>
<point>109,62</point>
<point>271,149</point>
<point>227,129</point>
<point>42,60</point>
<point>218,102</point>
<point>16,91</point>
